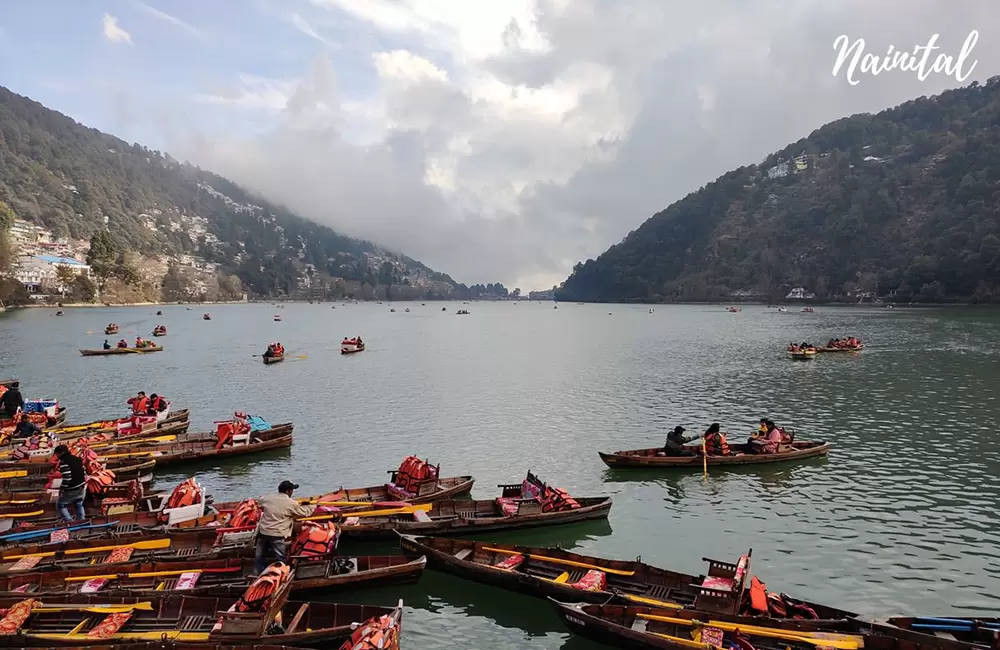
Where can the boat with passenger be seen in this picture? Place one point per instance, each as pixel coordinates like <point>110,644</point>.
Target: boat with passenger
<point>350,346</point>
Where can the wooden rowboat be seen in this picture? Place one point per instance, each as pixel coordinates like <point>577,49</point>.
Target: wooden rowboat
<point>39,419</point>
<point>130,548</point>
<point>803,355</point>
<point>643,628</point>
<point>218,577</point>
<point>99,353</point>
<point>644,458</point>
<point>931,631</point>
<point>31,487</point>
<point>460,517</point>
<point>16,476</point>
<point>828,350</point>
<point>545,572</point>
<point>174,645</point>
<point>173,432</point>
<point>165,453</point>
<point>274,359</point>
<point>187,619</point>
<point>110,425</point>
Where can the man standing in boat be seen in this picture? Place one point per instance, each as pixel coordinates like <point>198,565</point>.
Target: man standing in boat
<point>72,487</point>
<point>12,400</point>
<point>278,513</point>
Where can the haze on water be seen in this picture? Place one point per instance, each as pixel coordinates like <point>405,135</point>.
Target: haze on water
<point>899,518</point>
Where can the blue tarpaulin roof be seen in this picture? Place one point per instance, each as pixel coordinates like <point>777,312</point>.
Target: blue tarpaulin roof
<point>52,259</point>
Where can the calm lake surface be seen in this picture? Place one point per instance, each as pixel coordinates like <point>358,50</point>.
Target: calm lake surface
<point>899,518</point>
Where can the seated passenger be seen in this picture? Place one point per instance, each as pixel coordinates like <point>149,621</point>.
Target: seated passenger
<point>715,441</point>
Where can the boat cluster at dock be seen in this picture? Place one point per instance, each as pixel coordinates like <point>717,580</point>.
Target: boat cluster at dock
<point>174,569</point>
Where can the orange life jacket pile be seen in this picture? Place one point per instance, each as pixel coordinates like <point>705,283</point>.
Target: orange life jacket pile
<point>99,481</point>
<point>31,444</point>
<point>558,500</point>
<point>380,633</point>
<point>247,513</point>
<point>315,540</point>
<point>186,494</point>
<point>226,431</point>
<point>411,474</point>
<point>257,597</point>
<point>761,602</point>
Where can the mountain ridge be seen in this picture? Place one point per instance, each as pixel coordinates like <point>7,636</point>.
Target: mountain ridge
<point>75,180</point>
<point>898,204</point>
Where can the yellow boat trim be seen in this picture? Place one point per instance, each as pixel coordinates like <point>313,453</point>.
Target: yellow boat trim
<point>688,643</point>
<point>17,502</point>
<point>136,441</point>
<point>140,574</point>
<point>652,602</point>
<point>828,640</point>
<point>562,577</point>
<point>555,560</point>
<point>134,454</point>
<point>14,473</point>
<point>128,636</point>
<point>16,515</point>
<point>145,544</point>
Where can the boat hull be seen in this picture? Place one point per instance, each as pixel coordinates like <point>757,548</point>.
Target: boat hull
<point>113,351</point>
<point>646,458</point>
<point>269,360</point>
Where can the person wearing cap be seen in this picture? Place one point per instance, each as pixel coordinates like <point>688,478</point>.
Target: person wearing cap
<point>278,513</point>
<point>72,487</point>
<point>676,441</point>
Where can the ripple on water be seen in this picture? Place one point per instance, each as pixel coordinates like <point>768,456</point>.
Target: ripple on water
<point>898,518</point>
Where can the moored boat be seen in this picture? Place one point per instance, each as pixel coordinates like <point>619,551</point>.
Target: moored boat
<point>414,481</point>
<point>574,577</point>
<point>112,351</point>
<point>640,628</point>
<point>215,577</point>
<point>17,482</point>
<point>938,632</point>
<point>163,420</point>
<point>742,455</point>
<point>70,621</point>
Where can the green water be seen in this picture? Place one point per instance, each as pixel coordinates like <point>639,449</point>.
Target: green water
<point>899,518</point>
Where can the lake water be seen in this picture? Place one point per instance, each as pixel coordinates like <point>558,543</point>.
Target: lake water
<point>899,518</point>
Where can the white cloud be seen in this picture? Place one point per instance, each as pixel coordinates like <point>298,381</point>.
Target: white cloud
<point>171,20</point>
<point>306,28</point>
<point>253,92</point>
<point>113,32</point>
<point>508,140</point>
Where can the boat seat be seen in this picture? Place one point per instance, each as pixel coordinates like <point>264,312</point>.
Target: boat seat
<point>465,514</point>
<point>639,625</point>
<point>945,635</point>
<point>196,622</point>
<point>463,553</point>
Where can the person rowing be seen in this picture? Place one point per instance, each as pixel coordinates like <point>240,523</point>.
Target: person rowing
<point>676,441</point>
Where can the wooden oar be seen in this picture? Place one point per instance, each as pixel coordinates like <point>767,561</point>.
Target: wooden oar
<point>704,460</point>
<point>555,560</point>
<point>95,609</point>
<point>829,640</point>
<point>153,574</point>
<point>144,545</point>
<point>662,604</point>
<point>409,510</point>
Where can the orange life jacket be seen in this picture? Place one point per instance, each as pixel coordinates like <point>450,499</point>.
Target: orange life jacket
<point>315,540</point>
<point>379,633</point>
<point>186,494</point>
<point>139,405</point>
<point>716,445</point>
<point>98,482</point>
<point>758,597</point>
<point>247,513</point>
<point>257,596</point>
<point>557,499</point>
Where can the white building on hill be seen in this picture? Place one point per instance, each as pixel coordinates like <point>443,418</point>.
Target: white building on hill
<point>38,272</point>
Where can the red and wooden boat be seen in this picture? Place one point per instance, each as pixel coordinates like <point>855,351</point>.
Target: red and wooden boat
<point>115,425</point>
<point>214,577</point>
<point>70,621</point>
<point>646,458</point>
<point>574,577</point>
<point>350,346</point>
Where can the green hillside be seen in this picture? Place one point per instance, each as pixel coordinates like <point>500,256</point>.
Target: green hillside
<point>72,180</point>
<point>902,204</point>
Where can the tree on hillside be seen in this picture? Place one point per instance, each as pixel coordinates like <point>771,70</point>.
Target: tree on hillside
<point>65,277</point>
<point>176,285</point>
<point>82,289</point>
<point>102,256</point>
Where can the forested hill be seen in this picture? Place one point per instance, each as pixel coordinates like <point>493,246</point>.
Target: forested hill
<point>74,180</point>
<point>901,204</point>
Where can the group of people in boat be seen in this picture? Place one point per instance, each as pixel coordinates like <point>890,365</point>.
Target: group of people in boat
<point>274,350</point>
<point>160,329</point>
<point>123,344</point>
<point>767,439</point>
<point>849,343</point>
<point>111,328</point>
<point>355,341</point>
<point>801,347</point>
<point>152,405</point>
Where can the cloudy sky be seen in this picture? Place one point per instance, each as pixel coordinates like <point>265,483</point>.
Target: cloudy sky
<point>491,139</point>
